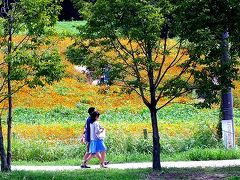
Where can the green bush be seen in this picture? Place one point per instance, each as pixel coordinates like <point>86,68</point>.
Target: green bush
<point>41,151</point>
<point>212,154</point>
<point>176,144</point>
<point>127,148</point>
<point>205,137</point>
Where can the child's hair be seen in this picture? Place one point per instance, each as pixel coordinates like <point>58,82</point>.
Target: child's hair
<point>94,116</point>
<point>91,110</point>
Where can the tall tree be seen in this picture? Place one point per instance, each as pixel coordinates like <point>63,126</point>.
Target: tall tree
<point>212,28</point>
<point>124,36</point>
<point>28,55</point>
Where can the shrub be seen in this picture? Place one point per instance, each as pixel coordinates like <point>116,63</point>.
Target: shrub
<point>212,154</point>
<point>205,137</point>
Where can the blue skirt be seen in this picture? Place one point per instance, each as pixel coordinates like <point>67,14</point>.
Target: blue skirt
<point>97,146</point>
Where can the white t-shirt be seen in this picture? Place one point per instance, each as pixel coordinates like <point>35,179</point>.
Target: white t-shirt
<point>95,129</point>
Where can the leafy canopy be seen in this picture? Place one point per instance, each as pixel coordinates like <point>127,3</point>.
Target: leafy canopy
<point>124,37</point>
<point>203,24</point>
<point>27,44</point>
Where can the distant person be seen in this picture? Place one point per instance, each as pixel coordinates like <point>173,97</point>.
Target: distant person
<point>106,75</point>
<point>97,134</point>
<point>87,137</point>
<point>102,79</point>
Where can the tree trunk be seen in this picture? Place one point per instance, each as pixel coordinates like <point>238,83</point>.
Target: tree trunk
<point>156,143</point>
<point>4,165</point>
<point>227,99</point>
<point>9,119</point>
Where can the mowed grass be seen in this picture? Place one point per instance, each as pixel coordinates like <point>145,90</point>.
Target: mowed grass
<point>76,175</point>
<point>172,173</point>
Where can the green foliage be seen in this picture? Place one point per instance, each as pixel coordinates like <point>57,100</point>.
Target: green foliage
<point>32,59</point>
<point>236,102</point>
<point>41,151</point>
<point>37,15</point>
<point>205,137</point>
<point>199,154</point>
<point>140,24</point>
<point>124,149</point>
<point>61,90</point>
<point>203,24</point>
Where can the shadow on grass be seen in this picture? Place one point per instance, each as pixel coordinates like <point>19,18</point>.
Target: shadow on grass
<point>99,174</point>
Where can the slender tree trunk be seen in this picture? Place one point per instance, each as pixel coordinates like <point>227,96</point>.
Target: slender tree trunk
<point>9,119</point>
<point>156,143</point>
<point>4,165</point>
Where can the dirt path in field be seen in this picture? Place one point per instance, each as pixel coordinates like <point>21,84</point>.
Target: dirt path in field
<point>175,164</point>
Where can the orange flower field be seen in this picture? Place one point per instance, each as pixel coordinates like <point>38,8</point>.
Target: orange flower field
<point>67,132</point>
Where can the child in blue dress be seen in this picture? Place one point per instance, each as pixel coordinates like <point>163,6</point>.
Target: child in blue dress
<point>97,146</point>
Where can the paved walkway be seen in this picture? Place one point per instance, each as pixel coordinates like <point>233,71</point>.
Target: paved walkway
<point>174,164</point>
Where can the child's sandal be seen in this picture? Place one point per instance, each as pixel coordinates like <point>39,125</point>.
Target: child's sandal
<point>84,165</point>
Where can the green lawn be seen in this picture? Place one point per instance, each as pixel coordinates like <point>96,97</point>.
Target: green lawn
<point>172,173</point>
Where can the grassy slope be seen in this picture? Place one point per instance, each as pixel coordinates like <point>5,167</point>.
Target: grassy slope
<point>73,88</point>
<point>68,27</point>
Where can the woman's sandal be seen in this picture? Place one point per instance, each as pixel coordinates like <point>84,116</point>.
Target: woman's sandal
<point>102,165</point>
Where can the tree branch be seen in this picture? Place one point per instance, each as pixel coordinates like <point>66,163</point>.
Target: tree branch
<point>120,54</point>
<point>179,94</point>
<point>180,41</point>
<point>26,37</point>
<point>177,77</point>
<point>141,94</point>
<point>13,92</point>
<point>142,48</point>
<point>123,47</point>
<point>163,61</point>
<point>174,62</point>
<point>2,63</point>
<point>3,84</point>
<point>136,70</point>
<point>157,51</point>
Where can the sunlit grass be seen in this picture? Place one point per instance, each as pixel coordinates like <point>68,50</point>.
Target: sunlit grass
<point>69,27</point>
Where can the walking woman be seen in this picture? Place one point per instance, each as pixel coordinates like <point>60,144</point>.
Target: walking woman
<point>97,135</point>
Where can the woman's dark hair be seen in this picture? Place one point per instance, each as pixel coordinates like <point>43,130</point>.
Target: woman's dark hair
<point>94,116</point>
<point>91,110</point>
